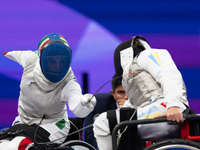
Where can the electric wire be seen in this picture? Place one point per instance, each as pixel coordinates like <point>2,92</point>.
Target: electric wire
<point>44,143</point>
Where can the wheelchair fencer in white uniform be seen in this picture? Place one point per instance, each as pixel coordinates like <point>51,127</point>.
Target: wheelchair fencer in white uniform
<point>154,86</point>
<point>47,84</point>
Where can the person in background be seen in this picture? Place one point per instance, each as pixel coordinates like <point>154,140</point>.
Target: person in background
<point>105,101</point>
<point>47,84</point>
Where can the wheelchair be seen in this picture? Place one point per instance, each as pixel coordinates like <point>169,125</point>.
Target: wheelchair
<point>189,130</point>
<point>72,142</point>
<point>190,134</point>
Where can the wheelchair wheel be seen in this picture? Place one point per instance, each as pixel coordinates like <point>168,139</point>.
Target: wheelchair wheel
<point>175,144</point>
<point>75,145</point>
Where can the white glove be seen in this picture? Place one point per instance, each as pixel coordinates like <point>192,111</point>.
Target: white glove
<point>88,101</point>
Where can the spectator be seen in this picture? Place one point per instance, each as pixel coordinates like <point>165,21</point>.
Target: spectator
<point>105,101</point>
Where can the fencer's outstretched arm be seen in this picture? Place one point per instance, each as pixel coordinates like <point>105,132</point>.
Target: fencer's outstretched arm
<point>19,56</point>
<point>79,104</point>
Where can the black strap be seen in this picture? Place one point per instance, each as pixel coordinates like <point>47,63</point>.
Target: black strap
<point>129,139</point>
<point>130,135</point>
<point>111,116</point>
<point>193,125</point>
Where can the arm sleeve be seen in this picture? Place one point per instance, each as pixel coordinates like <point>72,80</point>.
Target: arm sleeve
<point>161,66</point>
<point>19,56</point>
<point>72,94</point>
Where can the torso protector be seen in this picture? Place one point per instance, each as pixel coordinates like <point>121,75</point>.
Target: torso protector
<point>142,88</point>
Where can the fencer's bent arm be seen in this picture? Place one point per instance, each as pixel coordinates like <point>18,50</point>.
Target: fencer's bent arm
<point>161,66</point>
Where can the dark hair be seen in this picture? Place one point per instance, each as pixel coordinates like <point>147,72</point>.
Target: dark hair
<point>116,81</point>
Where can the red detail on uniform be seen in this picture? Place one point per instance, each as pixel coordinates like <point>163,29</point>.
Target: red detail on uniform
<point>163,104</point>
<point>24,143</point>
<point>148,143</point>
<point>4,53</point>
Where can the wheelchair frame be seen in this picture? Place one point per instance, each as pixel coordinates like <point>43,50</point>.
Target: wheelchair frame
<point>185,131</point>
<point>186,138</point>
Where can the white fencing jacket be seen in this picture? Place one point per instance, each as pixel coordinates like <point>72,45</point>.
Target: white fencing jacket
<point>39,96</point>
<point>160,67</point>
